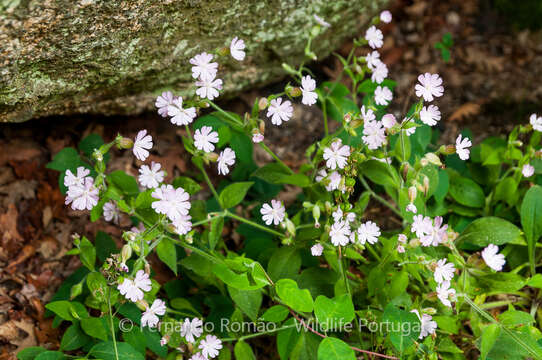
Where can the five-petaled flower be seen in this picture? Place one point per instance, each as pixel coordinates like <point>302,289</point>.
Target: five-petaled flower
<point>280,111</point>
<point>274,213</point>
<point>462,146</point>
<point>205,138</point>
<point>336,155</point>
<point>429,87</point>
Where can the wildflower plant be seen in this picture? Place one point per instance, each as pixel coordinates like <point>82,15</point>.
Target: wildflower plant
<point>435,244</point>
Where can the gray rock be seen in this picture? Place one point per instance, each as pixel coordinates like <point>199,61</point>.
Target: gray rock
<point>114,57</point>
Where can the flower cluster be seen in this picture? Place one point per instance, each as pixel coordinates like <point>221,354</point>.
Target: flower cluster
<point>81,194</point>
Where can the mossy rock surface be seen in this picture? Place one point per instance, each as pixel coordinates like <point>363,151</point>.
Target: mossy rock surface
<point>114,57</point>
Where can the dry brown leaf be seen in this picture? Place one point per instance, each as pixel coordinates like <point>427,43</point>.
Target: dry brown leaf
<point>465,111</point>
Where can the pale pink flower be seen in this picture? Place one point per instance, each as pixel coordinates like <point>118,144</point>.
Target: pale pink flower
<point>308,85</point>
<point>373,59</point>
<point>142,144</point>
<point>336,155</point>
<point>437,235</point>
<point>237,49</point>
<point>225,159</point>
<point>163,101</point>
<point>367,114</point>
<point>191,330</point>
<point>179,115</point>
<point>374,134</point>
<point>210,346</point>
<point>171,202</point>
<point>430,115</point>
<point>380,73</point>
<point>134,290</point>
<point>257,138</point>
<point>383,95</point>
<point>527,170</point>
<point>492,258</point>
<point>83,197</point>
<point>412,208</point>
<point>428,325</point>
<point>204,138</point>
<point>421,225</point>
<point>429,87</point>
<point>368,232</point>
<point>280,111</point>
<point>536,122</point>
<point>462,147</point>
<point>317,250</point>
<point>151,177</point>
<point>150,316</point>
<point>340,233</point>
<point>70,179</point>
<point>182,224</point>
<point>208,87</point>
<point>273,214</point>
<point>111,212</point>
<point>203,67</point>
<point>444,271</point>
<point>385,16</point>
<point>374,37</point>
<point>444,293</point>
<point>388,121</point>
<point>321,21</point>
<point>335,180</point>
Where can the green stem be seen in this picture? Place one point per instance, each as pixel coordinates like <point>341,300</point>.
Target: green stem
<point>274,156</point>
<point>112,325</point>
<point>496,304</point>
<point>379,198</point>
<point>201,222</point>
<point>252,223</point>
<point>219,109</point>
<point>324,112</point>
<point>341,268</point>
<point>210,184</point>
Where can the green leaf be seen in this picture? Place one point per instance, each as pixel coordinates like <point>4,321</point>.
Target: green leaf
<point>488,230</point>
<point>249,301</point>
<point>88,254</point>
<point>489,337</point>
<point>167,253</point>
<point>443,186</point>
<point>466,192</point>
<point>94,327</point>
<point>68,310</point>
<point>243,281</point>
<point>73,338</point>
<point>275,314</point>
<point>275,173</point>
<point>184,304</point>
<point>235,193</point>
<point>89,143</point>
<point>515,318</point>
<point>403,327</point>
<point>334,349</point>
<point>105,246</point>
<point>243,351</point>
<point>124,182</point>
<point>334,312</point>
<point>380,173</point>
<point>402,147</point>
<point>67,158</point>
<point>30,353</point>
<point>506,190</point>
<point>189,185</point>
<point>106,351</point>
<point>50,355</point>
<point>217,224</point>
<point>284,263</point>
<point>432,174</point>
<point>299,300</point>
<point>531,220</point>
<point>502,282</point>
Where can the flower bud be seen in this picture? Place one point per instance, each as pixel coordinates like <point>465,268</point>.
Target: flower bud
<point>517,143</point>
<point>447,149</point>
<point>347,118</point>
<point>433,159</point>
<point>263,103</point>
<point>125,143</point>
<point>430,311</point>
<point>293,91</point>
<point>307,204</point>
<point>290,227</point>
<point>212,156</point>
<point>328,207</point>
<point>412,193</point>
<point>147,268</point>
<point>425,185</point>
<point>405,167</point>
<point>225,51</point>
<point>126,253</point>
<point>142,305</point>
<point>316,213</point>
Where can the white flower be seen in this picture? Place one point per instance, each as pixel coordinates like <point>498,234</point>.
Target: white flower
<point>171,202</point>
<point>321,21</point>
<point>444,271</point>
<point>383,95</point>
<point>430,115</point>
<point>316,250</point>
<point>373,59</point>
<point>340,233</point>
<point>191,330</point>
<point>83,197</point>
<point>273,214</point>
<point>307,88</point>
<point>133,290</point>
<point>444,292</point>
<point>280,111</point>
<point>527,170</point>
<point>374,134</point>
<point>536,122</point>
<point>336,155</point>
<point>163,101</point>
<point>338,215</point>
<point>374,37</point>
<point>208,87</point>
<point>368,232</point>
<point>111,212</point>
<point>203,66</point>
<point>430,86</point>
<point>421,225</point>
<point>198,356</point>
<point>408,131</point>
<point>237,47</point>
<point>437,235</point>
<point>380,73</point>
<point>367,115</point>
<point>462,147</point>
<point>150,316</point>
<point>182,224</point>
<point>204,138</point>
<point>142,144</point>
<point>70,179</point>
<point>428,326</point>
<point>321,175</point>
<point>210,346</point>
<point>225,159</point>
<point>151,177</point>
<point>492,258</point>
<point>385,16</point>
<point>388,121</point>
<point>334,182</point>
<point>412,208</point>
<point>179,115</point>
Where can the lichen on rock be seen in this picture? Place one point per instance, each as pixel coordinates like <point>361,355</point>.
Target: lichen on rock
<point>113,57</point>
